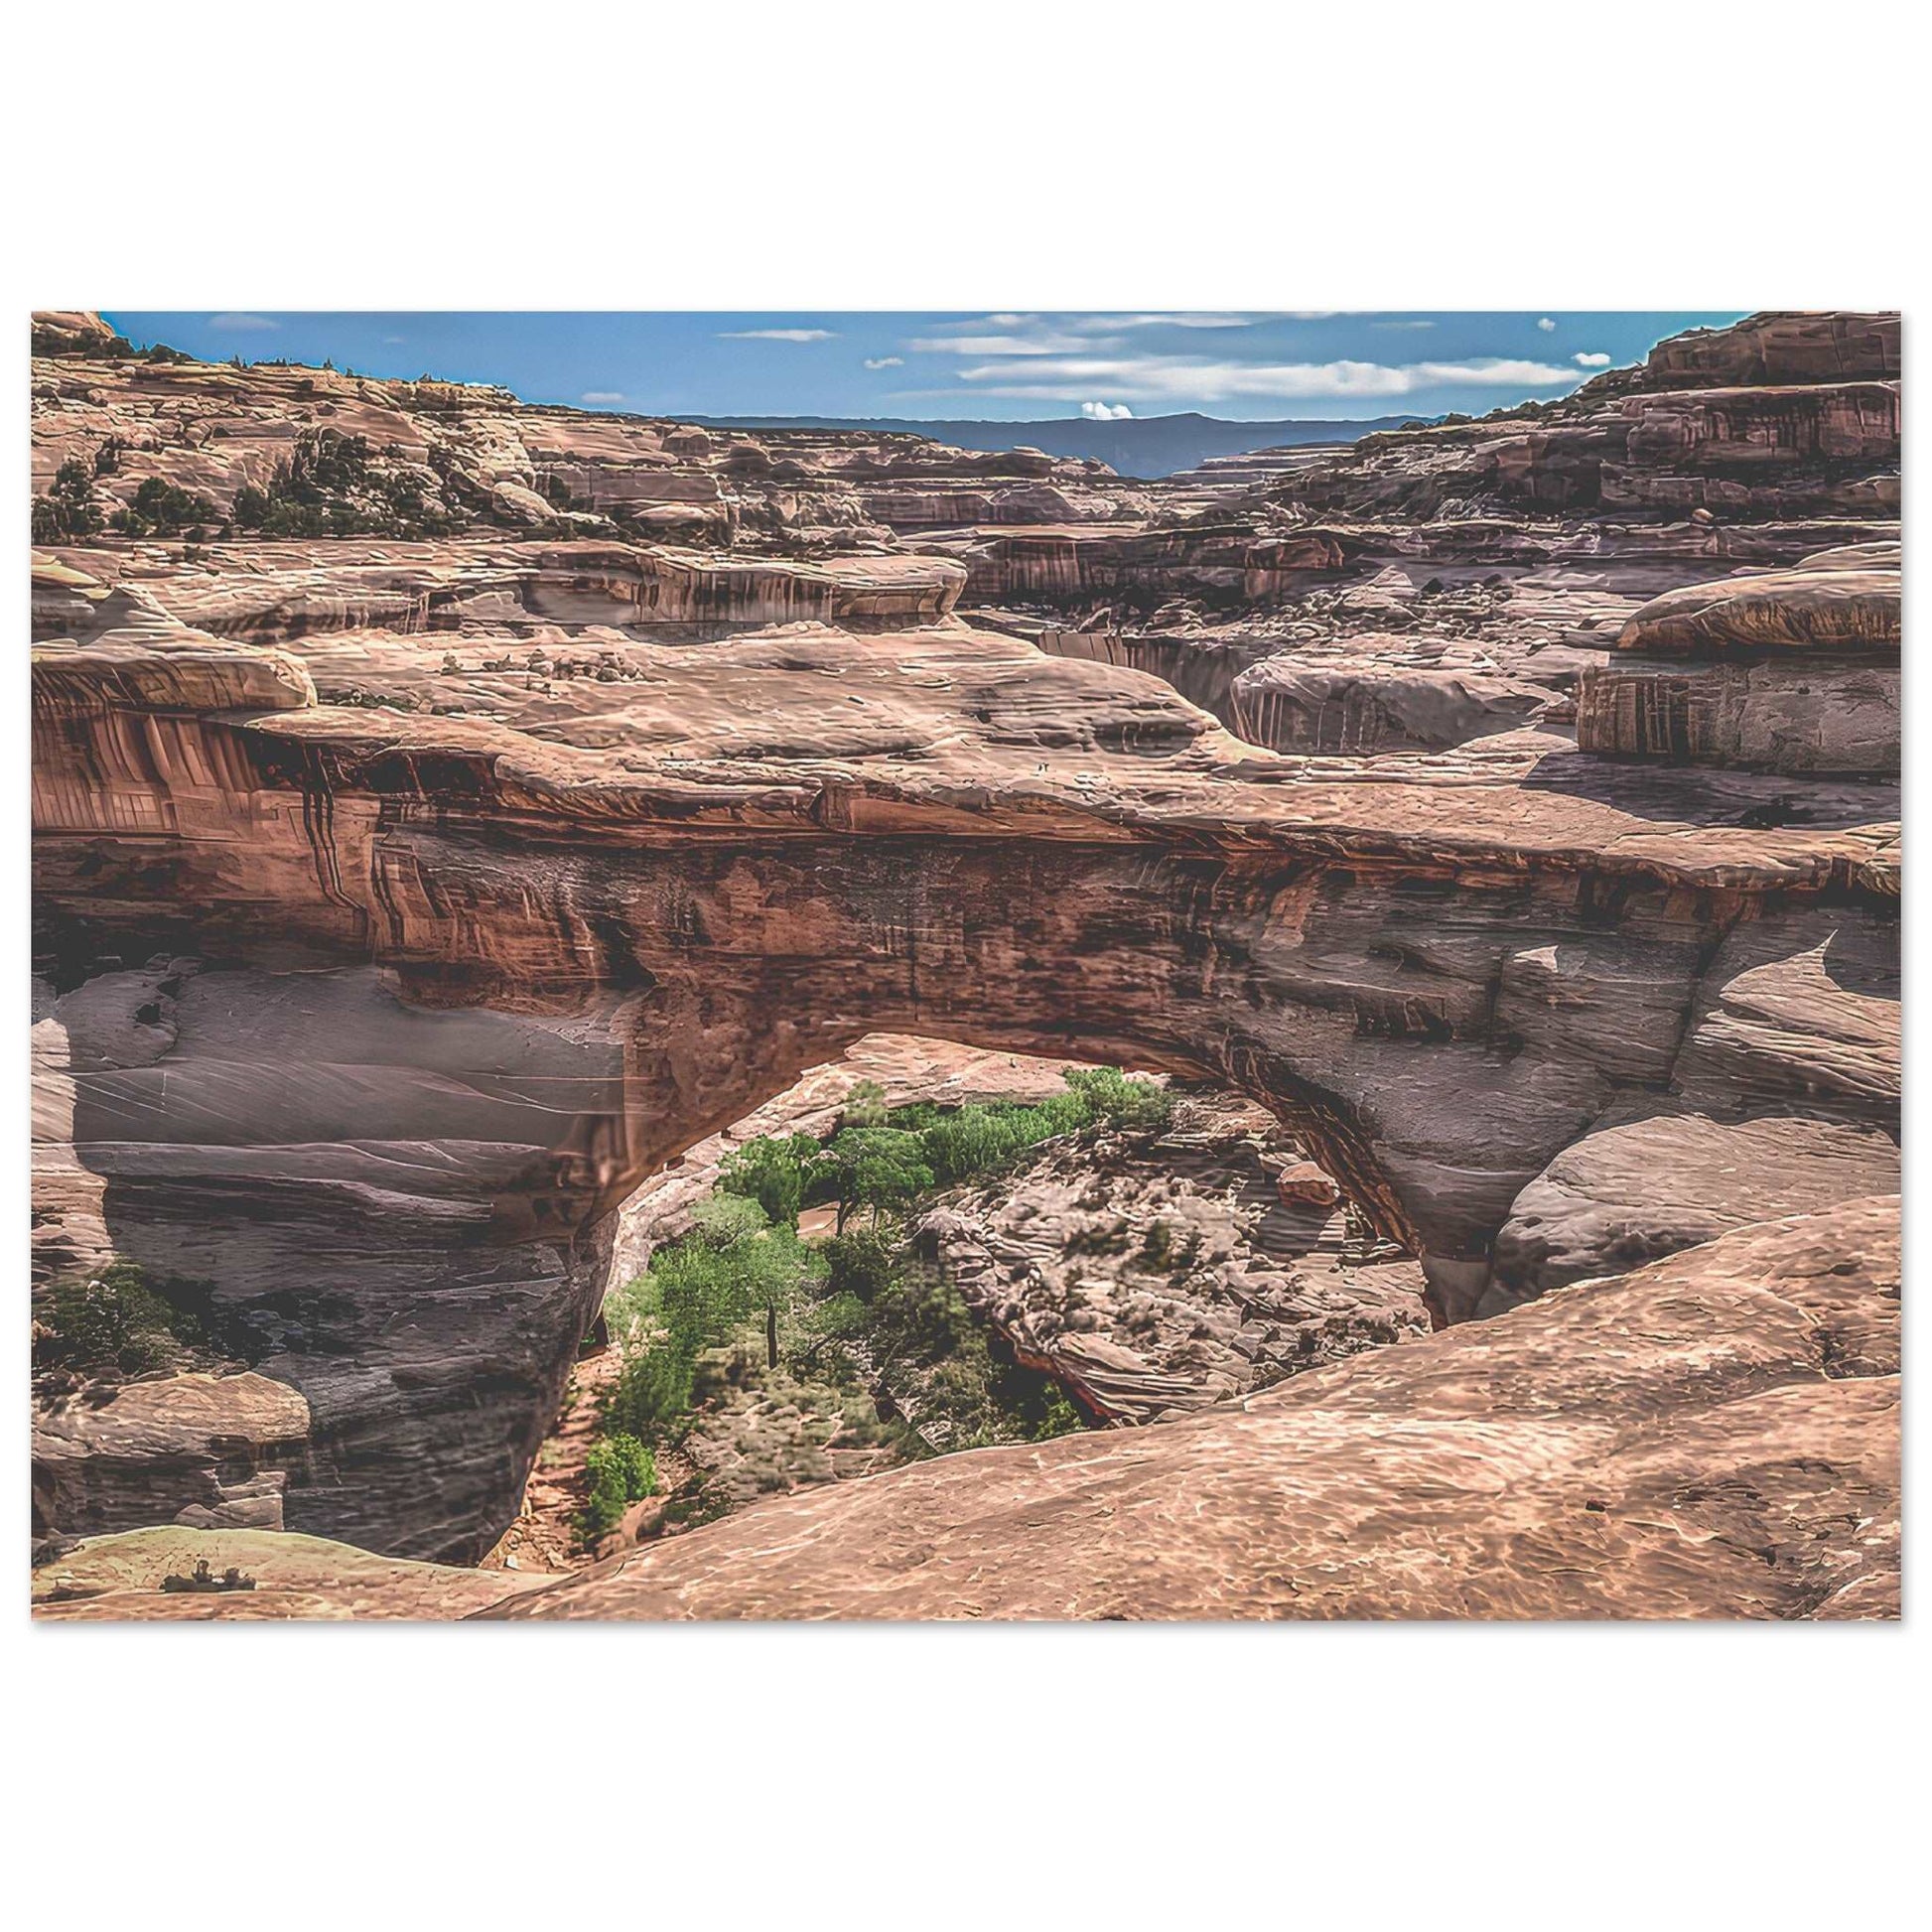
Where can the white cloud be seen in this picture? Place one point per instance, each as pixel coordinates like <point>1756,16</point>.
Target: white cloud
<point>1164,378</point>
<point>1545,324</point>
<point>601,395</point>
<point>1402,324</point>
<point>1100,325</point>
<point>1045,342</point>
<point>232,321</point>
<point>1100,412</point>
<point>393,340</point>
<point>776,335</point>
<point>1016,334</point>
<point>885,361</point>
<point>1590,359</point>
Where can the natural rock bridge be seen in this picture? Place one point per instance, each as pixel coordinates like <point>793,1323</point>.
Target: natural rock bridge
<point>372,1019</point>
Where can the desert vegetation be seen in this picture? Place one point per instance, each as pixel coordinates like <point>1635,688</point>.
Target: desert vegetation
<point>754,1357</point>
<point>115,1324</point>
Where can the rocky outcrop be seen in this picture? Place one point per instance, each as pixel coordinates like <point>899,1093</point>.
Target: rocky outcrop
<point>1782,348</point>
<point>440,458</point>
<point>274,593</point>
<point>1061,564</point>
<point>1714,1436</point>
<point>1794,672</point>
<point>465,982</point>
<point>1367,706</point>
<point>1779,416</point>
<point>209,1451</point>
<point>1834,610</point>
<point>1784,1097</point>
<point>1160,1279</point>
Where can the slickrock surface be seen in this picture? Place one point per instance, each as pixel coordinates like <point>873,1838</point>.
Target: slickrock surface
<point>1714,1436</point>
<point>403,904</point>
<point>1829,610</point>
<point>110,1578</point>
<point>1793,670</point>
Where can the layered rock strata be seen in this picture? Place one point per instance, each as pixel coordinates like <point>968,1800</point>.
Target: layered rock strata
<point>468,457</point>
<point>1154,1281</point>
<point>1714,1435</point>
<point>1763,420</point>
<point>462,983</point>
<point>1794,672</point>
<point>208,1451</point>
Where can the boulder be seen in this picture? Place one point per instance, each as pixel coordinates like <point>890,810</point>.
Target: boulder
<point>1832,610</point>
<point>1302,1184</point>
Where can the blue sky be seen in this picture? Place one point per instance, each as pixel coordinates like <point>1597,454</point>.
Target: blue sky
<point>1008,367</point>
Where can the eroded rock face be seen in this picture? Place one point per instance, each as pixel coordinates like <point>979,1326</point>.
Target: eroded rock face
<point>1369,707</point>
<point>1714,1436</point>
<point>403,906</point>
<point>363,1185</point>
<point>1416,970</point>
<point>205,1451</point>
<point>1154,1280</point>
<point>1778,416</point>
<point>1794,670</point>
<point>1782,348</point>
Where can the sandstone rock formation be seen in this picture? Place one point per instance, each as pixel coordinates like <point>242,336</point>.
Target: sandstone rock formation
<point>1779,416</point>
<point>209,1451</point>
<point>1716,1435</point>
<point>403,904</point>
<point>1155,1280</point>
<point>1794,670</point>
<point>444,458</point>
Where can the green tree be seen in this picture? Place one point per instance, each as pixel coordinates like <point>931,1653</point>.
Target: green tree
<point>872,1166</point>
<point>617,1471</point>
<point>864,1261</point>
<point>732,1266</point>
<point>250,508</point>
<point>164,509</point>
<point>771,1172</point>
<point>68,509</point>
